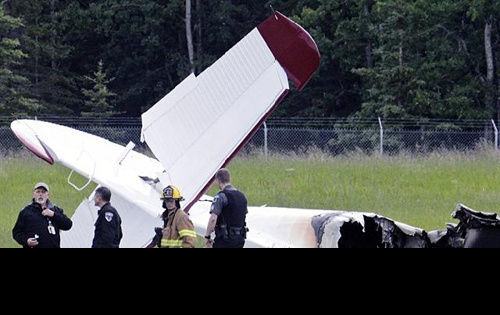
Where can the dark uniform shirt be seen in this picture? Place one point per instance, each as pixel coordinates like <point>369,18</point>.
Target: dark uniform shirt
<point>221,201</point>
<point>230,206</point>
<point>31,222</point>
<point>108,230</point>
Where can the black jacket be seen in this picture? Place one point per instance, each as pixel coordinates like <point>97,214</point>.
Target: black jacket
<point>31,221</point>
<point>108,229</point>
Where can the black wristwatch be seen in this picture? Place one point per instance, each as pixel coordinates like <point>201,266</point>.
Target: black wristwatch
<point>209,237</point>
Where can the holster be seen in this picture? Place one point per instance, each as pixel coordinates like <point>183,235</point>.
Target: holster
<point>222,231</point>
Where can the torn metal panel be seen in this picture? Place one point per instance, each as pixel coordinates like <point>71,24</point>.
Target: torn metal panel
<point>447,238</point>
<point>474,219</point>
<point>330,227</point>
<point>365,230</point>
<point>397,235</point>
<point>479,229</point>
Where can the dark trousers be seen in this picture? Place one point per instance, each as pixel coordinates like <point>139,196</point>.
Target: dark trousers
<point>233,242</point>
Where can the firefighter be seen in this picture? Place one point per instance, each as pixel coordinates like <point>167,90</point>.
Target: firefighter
<point>228,215</point>
<point>178,231</point>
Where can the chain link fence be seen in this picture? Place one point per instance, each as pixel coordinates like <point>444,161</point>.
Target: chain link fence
<point>298,136</point>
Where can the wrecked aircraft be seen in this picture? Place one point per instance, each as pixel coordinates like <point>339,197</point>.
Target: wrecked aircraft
<point>364,230</point>
<point>237,93</point>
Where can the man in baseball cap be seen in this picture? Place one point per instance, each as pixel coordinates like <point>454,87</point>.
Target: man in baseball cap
<point>39,223</point>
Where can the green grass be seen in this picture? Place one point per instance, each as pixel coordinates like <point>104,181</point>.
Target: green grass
<point>420,191</point>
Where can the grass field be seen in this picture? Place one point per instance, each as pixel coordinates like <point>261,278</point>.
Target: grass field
<point>420,191</point>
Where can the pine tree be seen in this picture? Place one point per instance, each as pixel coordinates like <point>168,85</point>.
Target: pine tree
<point>13,100</point>
<point>98,98</point>
<point>45,35</point>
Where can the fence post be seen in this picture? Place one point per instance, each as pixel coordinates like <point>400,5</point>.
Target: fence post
<point>265,140</point>
<point>381,136</point>
<point>496,133</point>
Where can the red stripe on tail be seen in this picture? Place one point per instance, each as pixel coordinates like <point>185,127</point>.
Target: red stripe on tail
<point>293,47</point>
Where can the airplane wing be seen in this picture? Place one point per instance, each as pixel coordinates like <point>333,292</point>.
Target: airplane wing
<point>107,164</point>
<point>206,120</point>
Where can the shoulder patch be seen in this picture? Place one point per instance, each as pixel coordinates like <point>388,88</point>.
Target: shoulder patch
<point>108,216</point>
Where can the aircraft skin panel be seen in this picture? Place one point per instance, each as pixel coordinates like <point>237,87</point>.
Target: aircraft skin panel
<point>217,89</point>
<point>174,96</point>
<point>82,232</point>
<point>238,149</point>
<point>223,141</point>
<point>269,227</point>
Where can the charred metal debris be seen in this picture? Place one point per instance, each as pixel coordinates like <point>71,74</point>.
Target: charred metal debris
<point>366,230</point>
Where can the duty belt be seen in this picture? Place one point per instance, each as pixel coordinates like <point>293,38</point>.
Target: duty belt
<point>235,231</point>
<point>227,232</point>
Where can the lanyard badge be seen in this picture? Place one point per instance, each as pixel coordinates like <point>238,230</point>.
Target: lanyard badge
<point>51,228</point>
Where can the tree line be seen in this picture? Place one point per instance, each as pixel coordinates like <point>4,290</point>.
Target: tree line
<point>387,58</point>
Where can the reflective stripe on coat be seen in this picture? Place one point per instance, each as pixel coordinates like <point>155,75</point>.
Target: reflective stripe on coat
<point>179,232</point>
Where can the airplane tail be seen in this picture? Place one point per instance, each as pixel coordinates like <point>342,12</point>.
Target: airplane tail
<point>206,120</point>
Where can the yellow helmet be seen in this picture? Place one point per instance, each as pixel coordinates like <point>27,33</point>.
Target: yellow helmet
<point>172,192</point>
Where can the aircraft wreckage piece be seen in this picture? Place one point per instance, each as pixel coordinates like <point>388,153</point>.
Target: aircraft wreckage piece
<point>205,121</point>
<point>363,230</point>
<point>344,229</point>
<point>447,238</point>
<point>478,229</point>
<point>474,230</point>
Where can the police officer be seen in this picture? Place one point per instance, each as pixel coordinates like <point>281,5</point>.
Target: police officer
<point>108,230</point>
<point>38,224</point>
<point>228,215</point>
